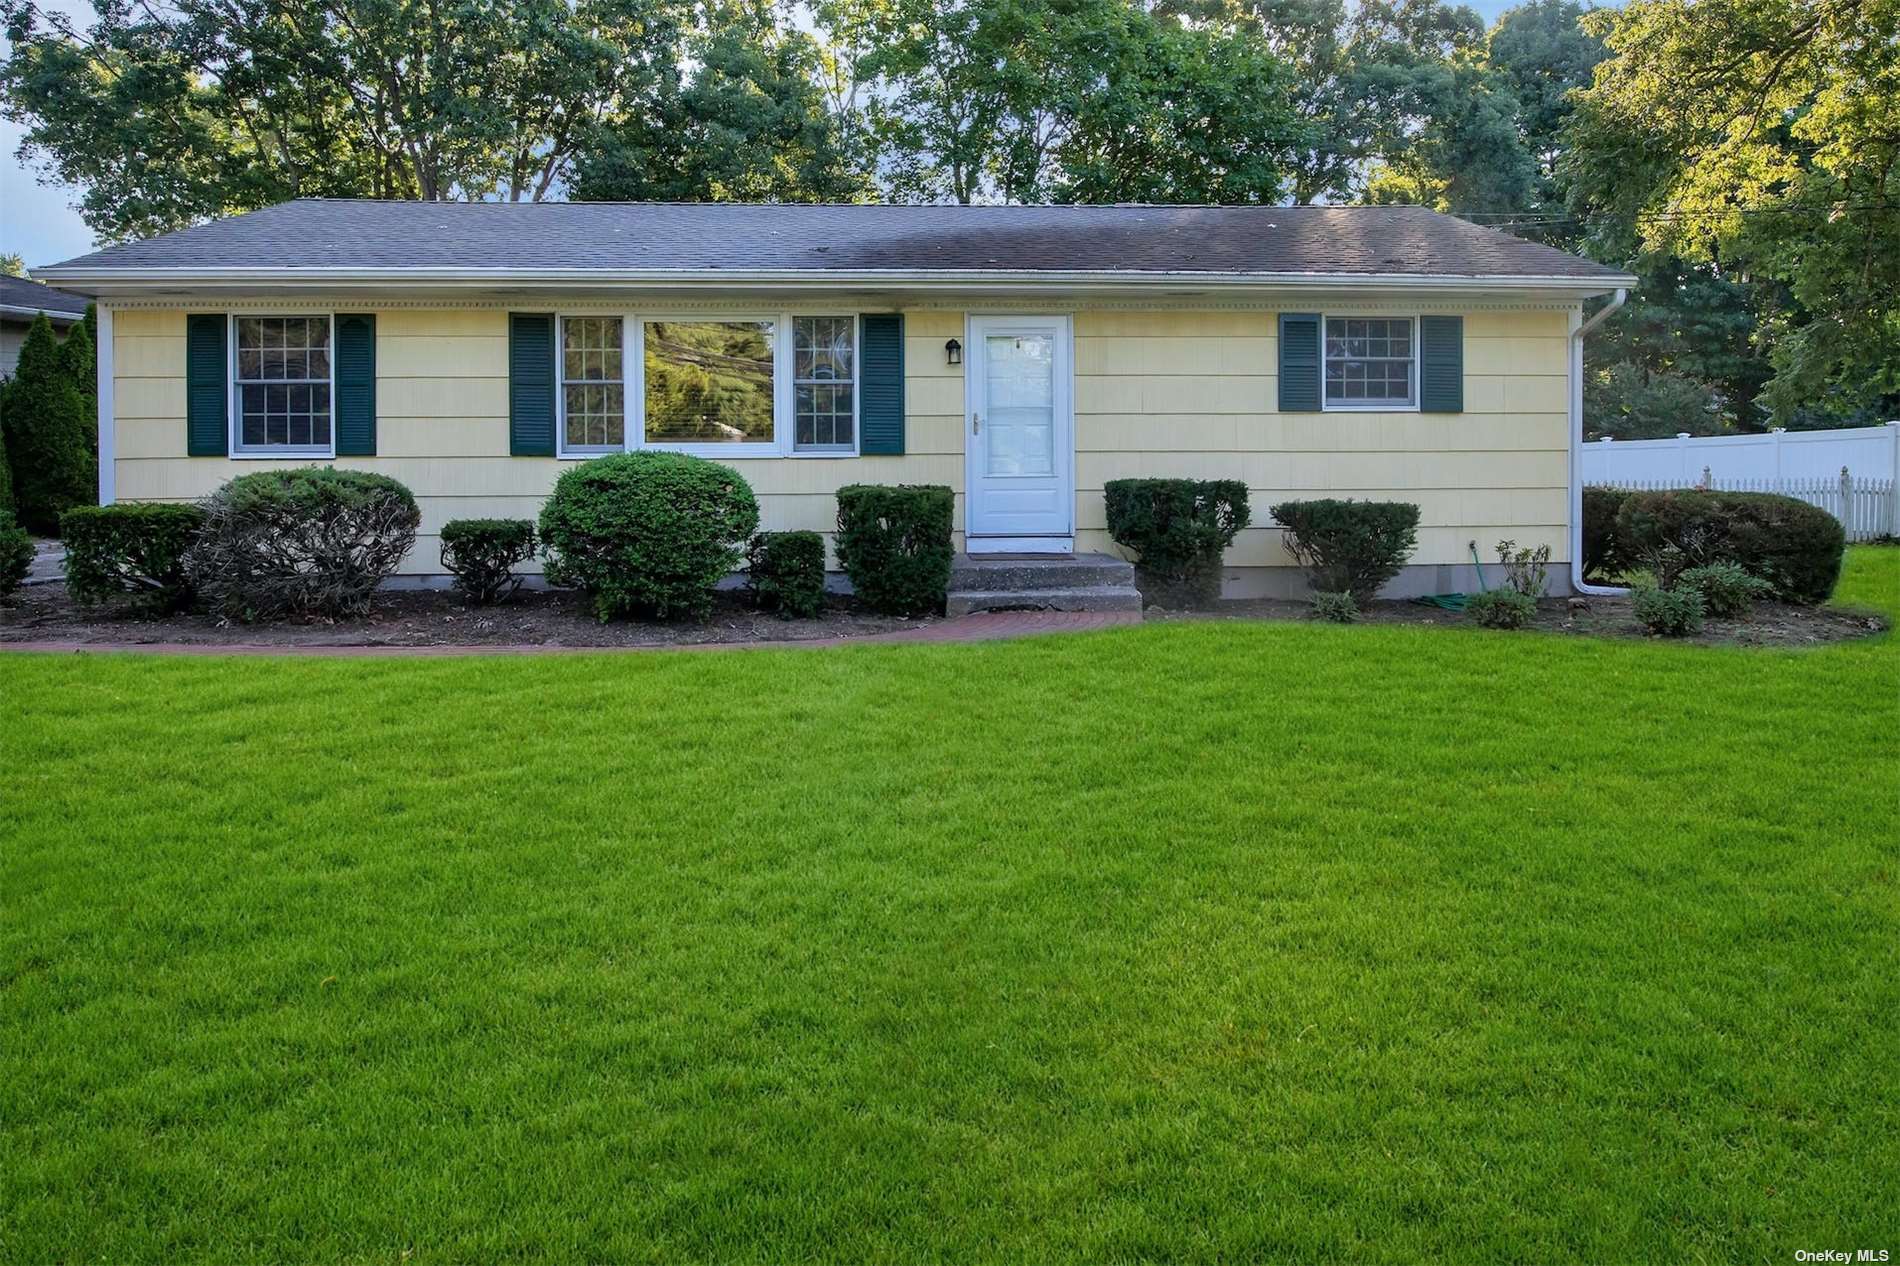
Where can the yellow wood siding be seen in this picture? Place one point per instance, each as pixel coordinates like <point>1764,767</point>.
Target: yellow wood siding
<point>1156,393</point>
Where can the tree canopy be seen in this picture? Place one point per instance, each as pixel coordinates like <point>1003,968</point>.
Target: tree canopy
<point>1739,155</point>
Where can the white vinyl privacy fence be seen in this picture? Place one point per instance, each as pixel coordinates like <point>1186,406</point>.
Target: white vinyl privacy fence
<point>1853,474</point>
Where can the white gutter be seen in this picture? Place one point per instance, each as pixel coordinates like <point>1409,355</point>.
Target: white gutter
<point>1578,328</point>
<point>803,278</point>
<point>52,314</point>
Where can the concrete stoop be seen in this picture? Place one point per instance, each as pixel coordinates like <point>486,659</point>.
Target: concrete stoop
<point>1041,582</point>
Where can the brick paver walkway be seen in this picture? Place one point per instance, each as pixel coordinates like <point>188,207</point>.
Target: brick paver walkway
<point>982,627</point>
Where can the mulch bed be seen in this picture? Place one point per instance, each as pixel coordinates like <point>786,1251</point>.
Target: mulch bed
<point>44,613</point>
<point>1770,624</point>
<point>438,618</point>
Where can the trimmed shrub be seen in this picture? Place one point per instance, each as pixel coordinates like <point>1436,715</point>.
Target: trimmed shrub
<point>1352,545</point>
<point>132,550</point>
<point>1604,557</point>
<point>1526,571</point>
<point>1795,547</point>
<point>1501,608</point>
<point>311,541</point>
<point>1178,530</point>
<point>1728,592</point>
<point>482,555</point>
<point>648,534</point>
<point>16,554</point>
<point>786,573</point>
<point>50,435</point>
<point>1337,607</point>
<point>894,543</point>
<point>1669,612</point>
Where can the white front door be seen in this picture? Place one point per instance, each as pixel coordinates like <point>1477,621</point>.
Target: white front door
<point>1019,436</point>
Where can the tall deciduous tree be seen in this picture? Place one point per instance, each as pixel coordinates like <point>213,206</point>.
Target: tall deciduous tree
<point>745,118</point>
<point>166,116</point>
<point>1763,136</point>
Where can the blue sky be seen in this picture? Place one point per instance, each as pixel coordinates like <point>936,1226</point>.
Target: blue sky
<point>37,221</point>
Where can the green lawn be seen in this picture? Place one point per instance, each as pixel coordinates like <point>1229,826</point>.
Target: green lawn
<point>1190,941</point>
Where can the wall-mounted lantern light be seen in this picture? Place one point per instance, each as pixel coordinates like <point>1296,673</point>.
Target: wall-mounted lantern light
<point>953,352</point>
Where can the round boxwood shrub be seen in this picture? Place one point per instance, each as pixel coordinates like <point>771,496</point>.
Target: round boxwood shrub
<point>894,543</point>
<point>1355,546</point>
<point>133,550</point>
<point>1795,547</point>
<point>482,555</point>
<point>647,534</point>
<point>1177,529</point>
<point>312,541</point>
<point>786,573</point>
<point>16,554</point>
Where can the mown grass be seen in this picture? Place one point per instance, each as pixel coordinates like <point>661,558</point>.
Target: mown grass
<point>1192,941</point>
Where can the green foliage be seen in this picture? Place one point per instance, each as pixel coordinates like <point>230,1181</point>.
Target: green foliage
<point>786,573</point>
<point>1758,133</point>
<point>1628,402</point>
<point>743,117</point>
<point>1352,545</point>
<point>482,555</point>
<point>6,463</point>
<point>648,533</point>
<point>1792,545</point>
<point>1501,608</point>
<point>1668,612</point>
<point>16,554</point>
<point>310,541</point>
<point>1603,555</point>
<point>80,364</point>
<point>1178,529</point>
<point>50,434</point>
<point>1526,570</point>
<point>1728,592</point>
<point>895,544</point>
<point>233,108</point>
<point>1339,608</point>
<point>135,550</point>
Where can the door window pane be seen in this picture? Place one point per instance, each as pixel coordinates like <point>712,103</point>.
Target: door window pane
<point>1021,422</point>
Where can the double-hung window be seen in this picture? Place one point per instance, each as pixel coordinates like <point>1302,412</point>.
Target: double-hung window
<point>281,385</point>
<point>825,383</point>
<point>730,386</point>
<point>593,385</point>
<point>1371,363</point>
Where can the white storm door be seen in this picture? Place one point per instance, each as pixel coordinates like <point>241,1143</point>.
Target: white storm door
<point>1019,435</point>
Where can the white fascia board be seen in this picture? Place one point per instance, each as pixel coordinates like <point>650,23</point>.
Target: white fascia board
<point>132,280</point>
<point>60,315</point>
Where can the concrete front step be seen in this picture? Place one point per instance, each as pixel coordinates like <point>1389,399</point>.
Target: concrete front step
<point>1089,598</point>
<point>1003,572</point>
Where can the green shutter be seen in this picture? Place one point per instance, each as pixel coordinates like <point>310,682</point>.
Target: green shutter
<point>881,385</point>
<point>1299,362</point>
<point>1441,364</point>
<point>531,384</point>
<point>207,387</point>
<point>356,385</point>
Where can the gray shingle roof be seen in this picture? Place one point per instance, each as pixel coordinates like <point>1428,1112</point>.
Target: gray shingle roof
<point>17,292</point>
<point>749,237</point>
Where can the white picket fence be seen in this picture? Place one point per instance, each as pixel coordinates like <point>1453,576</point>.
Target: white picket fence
<point>1867,508</point>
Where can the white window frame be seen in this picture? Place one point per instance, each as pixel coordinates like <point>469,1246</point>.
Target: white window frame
<point>633,328</point>
<point>581,452</point>
<point>233,405</point>
<point>1369,406</point>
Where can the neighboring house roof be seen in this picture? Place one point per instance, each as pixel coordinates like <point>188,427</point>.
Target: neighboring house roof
<point>27,299</point>
<point>314,239</point>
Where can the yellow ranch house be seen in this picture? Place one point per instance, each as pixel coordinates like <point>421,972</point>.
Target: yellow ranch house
<point>1024,356</point>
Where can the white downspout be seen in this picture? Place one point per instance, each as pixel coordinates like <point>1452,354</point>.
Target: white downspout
<point>1578,328</point>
